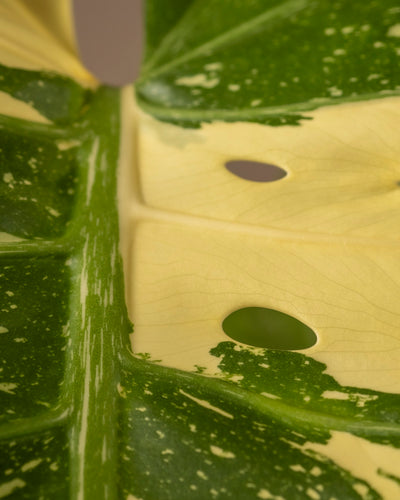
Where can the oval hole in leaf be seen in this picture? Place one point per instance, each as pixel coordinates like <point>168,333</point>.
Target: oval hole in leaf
<point>255,171</point>
<point>262,327</point>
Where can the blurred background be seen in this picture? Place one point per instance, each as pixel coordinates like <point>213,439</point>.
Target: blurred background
<point>109,34</point>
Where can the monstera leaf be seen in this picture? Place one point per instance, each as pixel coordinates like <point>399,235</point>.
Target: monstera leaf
<point>265,356</point>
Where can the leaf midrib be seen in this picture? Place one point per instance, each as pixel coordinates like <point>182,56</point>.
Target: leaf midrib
<point>244,114</point>
<point>294,416</point>
<point>21,126</point>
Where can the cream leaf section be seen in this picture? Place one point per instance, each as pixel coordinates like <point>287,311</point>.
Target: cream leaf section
<point>19,109</point>
<point>187,278</point>
<point>36,35</point>
<point>343,171</point>
<point>365,460</point>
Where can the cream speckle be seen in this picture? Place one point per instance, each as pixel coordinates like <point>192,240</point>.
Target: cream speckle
<point>3,329</point>
<point>255,103</point>
<point>269,395</point>
<point>335,92</point>
<point>92,167</point>
<point>329,31</point>
<point>339,52</point>
<point>199,80</point>
<point>7,488</point>
<point>315,471</point>
<point>206,404</point>
<point>361,399</point>
<point>53,212</point>
<point>297,468</point>
<point>219,452</point>
<point>121,391</point>
<point>335,395</point>
<point>31,464</point>
<point>313,494</point>
<point>65,145</point>
<point>201,475</point>
<point>233,87</point>
<point>379,45</point>
<point>347,30</point>
<point>8,177</point>
<point>394,31</point>
<point>264,494</point>
<point>213,66</point>
<point>32,162</point>
<point>8,387</point>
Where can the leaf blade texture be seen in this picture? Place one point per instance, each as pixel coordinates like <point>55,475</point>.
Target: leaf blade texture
<point>191,414</point>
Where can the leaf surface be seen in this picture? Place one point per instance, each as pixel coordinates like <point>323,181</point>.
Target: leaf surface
<point>319,82</point>
<point>192,414</point>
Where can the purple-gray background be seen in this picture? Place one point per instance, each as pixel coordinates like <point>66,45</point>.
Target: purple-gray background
<point>109,34</point>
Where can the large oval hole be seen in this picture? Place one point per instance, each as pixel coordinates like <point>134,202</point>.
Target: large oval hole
<point>262,327</point>
<point>255,171</point>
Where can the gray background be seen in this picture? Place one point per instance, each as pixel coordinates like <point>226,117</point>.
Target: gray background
<point>109,34</point>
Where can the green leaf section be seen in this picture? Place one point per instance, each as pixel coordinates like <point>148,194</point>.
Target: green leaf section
<point>34,327</point>
<point>311,389</point>
<point>187,436</point>
<point>270,62</point>
<point>56,97</point>
<point>35,466</point>
<point>38,182</point>
<point>62,315</point>
<point>160,15</point>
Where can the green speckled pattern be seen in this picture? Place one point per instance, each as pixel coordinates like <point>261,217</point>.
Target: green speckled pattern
<point>62,312</point>
<point>34,321</point>
<point>38,181</point>
<point>269,61</point>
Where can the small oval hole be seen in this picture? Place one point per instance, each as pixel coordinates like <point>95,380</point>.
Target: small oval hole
<point>262,327</point>
<point>255,171</point>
